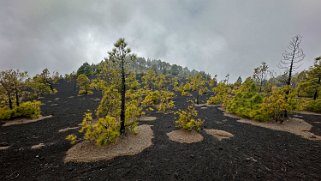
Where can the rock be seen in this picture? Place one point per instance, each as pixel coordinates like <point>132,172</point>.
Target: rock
<point>192,156</point>
<point>251,159</point>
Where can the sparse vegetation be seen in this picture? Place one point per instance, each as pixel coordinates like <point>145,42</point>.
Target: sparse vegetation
<point>24,110</point>
<point>187,119</point>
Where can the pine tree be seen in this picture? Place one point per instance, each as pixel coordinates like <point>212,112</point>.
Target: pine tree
<point>119,55</point>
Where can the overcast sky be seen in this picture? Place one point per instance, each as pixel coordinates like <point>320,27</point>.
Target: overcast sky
<point>217,36</point>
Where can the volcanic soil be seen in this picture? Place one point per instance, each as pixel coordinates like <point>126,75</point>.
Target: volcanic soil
<point>253,153</point>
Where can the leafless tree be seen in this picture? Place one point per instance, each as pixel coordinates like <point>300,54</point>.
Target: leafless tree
<point>291,57</point>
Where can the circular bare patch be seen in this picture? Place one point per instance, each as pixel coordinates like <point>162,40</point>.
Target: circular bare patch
<point>219,134</point>
<point>184,136</point>
<point>4,147</point>
<point>310,113</point>
<point>130,145</point>
<point>205,105</point>
<point>67,129</point>
<point>200,105</point>
<point>221,109</point>
<point>147,118</point>
<point>25,121</point>
<point>213,105</point>
<point>38,146</point>
<point>231,115</point>
<point>295,126</point>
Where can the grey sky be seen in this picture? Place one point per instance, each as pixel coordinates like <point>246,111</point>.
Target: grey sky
<point>217,36</point>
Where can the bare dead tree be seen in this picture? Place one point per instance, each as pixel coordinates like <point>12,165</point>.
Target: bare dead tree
<point>291,57</point>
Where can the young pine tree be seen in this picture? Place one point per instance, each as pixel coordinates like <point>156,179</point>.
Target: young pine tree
<point>120,54</point>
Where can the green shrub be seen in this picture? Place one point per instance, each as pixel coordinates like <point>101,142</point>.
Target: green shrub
<point>132,112</point>
<point>166,101</point>
<point>103,131</point>
<point>72,138</point>
<point>109,104</point>
<point>83,82</point>
<point>246,101</point>
<point>214,100</point>
<point>6,113</point>
<point>85,92</point>
<point>314,106</point>
<point>188,119</point>
<point>221,92</point>
<point>151,98</point>
<point>30,109</point>
<point>273,106</point>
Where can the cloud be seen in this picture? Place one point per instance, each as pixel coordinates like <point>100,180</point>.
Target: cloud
<point>219,37</point>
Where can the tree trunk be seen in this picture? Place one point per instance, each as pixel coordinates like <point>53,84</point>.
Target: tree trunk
<point>52,89</point>
<point>123,92</point>
<point>17,98</point>
<point>261,82</point>
<point>10,101</point>
<point>260,87</point>
<point>288,83</point>
<point>315,96</point>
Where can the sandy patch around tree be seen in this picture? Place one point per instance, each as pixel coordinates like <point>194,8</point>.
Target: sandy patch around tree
<point>309,113</point>
<point>25,121</point>
<point>205,105</point>
<point>219,134</point>
<point>297,116</point>
<point>200,105</point>
<point>147,118</point>
<point>294,125</point>
<point>4,147</point>
<point>232,115</point>
<point>184,136</point>
<point>212,105</point>
<point>221,109</point>
<point>67,129</point>
<point>130,145</point>
<point>38,146</point>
